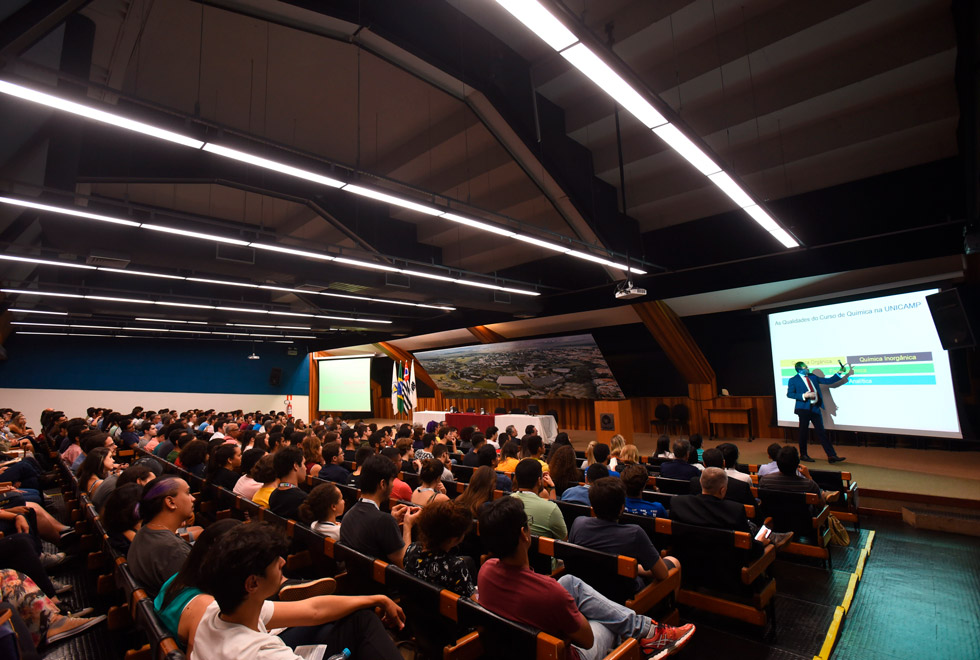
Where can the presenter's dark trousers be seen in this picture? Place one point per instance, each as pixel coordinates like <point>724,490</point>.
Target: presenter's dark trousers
<point>815,417</point>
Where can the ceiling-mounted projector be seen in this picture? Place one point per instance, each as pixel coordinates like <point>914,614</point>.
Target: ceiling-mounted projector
<point>626,291</point>
<point>253,356</point>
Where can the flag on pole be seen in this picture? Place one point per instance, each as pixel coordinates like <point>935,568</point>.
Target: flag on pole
<point>394,387</point>
<point>413,399</point>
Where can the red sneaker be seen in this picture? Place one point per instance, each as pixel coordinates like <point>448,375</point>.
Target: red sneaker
<point>666,640</point>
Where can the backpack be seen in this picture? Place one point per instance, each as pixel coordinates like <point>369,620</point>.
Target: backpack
<point>838,535</point>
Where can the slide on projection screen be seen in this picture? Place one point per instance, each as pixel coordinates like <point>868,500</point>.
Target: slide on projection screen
<point>345,384</point>
<point>901,382</point>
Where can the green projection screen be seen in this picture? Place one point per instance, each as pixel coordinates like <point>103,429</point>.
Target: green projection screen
<point>345,385</point>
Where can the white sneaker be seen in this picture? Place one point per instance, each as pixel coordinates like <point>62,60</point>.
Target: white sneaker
<point>52,560</point>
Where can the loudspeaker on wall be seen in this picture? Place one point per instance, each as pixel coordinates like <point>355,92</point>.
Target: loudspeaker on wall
<point>275,376</point>
<point>951,319</point>
<point>607,422</point>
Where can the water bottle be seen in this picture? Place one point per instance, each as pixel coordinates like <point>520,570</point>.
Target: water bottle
<point>344,655</point>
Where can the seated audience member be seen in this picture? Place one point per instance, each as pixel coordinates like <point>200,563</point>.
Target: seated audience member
<point>404,447</point>
<point>98,472</point>
<point>240,622</point>
<point>193,458</point>
<point>600,454</point>
<point>265,473</point>
<point>74,448</point>
<point>663,447</point>
<point>425,451</point>
<point>634,479</point>
<point>616,444</point>
<point>120,516</point>
<point>730,453</point>
<point>628,455</point>
<point>580,494</point>
<point>696,441</point>
<point>793,477</point>
<point>149,439</point>
<point>472,458</point>
<point>589,455</point>
<point>442,526</point>
<point>370,530</point>
<point>290,467</point>
<point>226,459</point>
<point>711,509</point>
<point>89,440</point>
<point>128,437</point>
<point>441,454</point>
<point>605,533</point>
<point>488,457</point>
<point>491,435</point>
<point>41,615</point>
<point>534,448</point>
<point>399,489</point>
<point>509,457</point>
<point>313,454</point>
<point>141,472</point>
<point>737,490</point>
<point>181,603</point>
<point>363,453</point>
<point>431,489</point>
<point>157,552</point>
<point>246,486</point>
<point>546,518</point>
<point>561,467</point>
<point>322,507</point>
<point>770,467</point>
<point>568,607</point>
<point>479,490</point>
<point>332,470</point>
<point>679,467</point>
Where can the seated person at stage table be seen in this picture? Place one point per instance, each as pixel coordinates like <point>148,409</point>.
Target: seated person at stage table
<point>803,387</point>
<point>605,533</point>
<point>711,509</point>
<point>737,490</point>
<point>568,608</point>
<point>794,477</point>
<point>634,479</point>
<point>679,468</point>
<point>580,494</point>
<point>368,529</point>
<point>243,569</point>
<point>532,491</point>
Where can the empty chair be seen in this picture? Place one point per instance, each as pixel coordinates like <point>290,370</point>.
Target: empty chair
<point>516,411</point>
<point>471,410</point>
<point>533,409</point>
<point>662,415</point>
<point>499,411</point>
<point>679,416</point>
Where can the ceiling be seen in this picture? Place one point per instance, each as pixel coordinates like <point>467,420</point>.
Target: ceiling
<point>844,116</point>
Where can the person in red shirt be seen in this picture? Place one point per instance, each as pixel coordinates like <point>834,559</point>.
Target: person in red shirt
<point>399,488</point>
<point>568,607</point>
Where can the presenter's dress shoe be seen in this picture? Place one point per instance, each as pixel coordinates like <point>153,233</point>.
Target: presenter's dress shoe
<point>837,459</point>
<point>807,459</point>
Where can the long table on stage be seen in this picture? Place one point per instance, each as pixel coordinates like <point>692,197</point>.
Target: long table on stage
<point>545,424</point>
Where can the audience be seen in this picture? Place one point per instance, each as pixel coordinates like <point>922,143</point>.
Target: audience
<point>241,621</point>
<point>546,518</point>
<point>580,494</point>
<point>431,488</point>
<point>634,479</point>
<point>442,526</point>
<point>479,490</point>
<point>332,470</point>
<point>736,490</point>
<point>679,467</point>
<point>488,458</point>
<point>368,529</point>
<point>290,466</point>
<point>605,533</point>
<point>729,451</point>
<point>226,459</point>
<point>157,551</point>
<point>663,447</point>
<point>567,608</point>
<point>399,489</point>
<point>247,486</point>
<point>561,467</point>
<point>770,467</point>
<point>264,472</point>
<point>321,509</point>
<point>794,477</point>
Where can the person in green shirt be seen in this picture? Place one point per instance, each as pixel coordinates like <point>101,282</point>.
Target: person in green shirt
<point>535,490</point>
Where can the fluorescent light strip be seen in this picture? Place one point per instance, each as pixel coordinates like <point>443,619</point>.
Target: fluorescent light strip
<point>687,149</point>
<point>541,22</point>
<point>367,264</point>
<point>728,186</point>
<point>50,334</point>
<point>287,250</point>
<point>544,244</point>
<point>140,318</point>
<point>29,292</point>
<point>141,273</point>
<point>67,211</point>
<point>195,234</point>
<point>36,311</point>
<point>391,199</point>
<point>430,276</point>
<point>226,282</point>
<point>783,237</point>
<point>137,301</point>
<point>477,224</point>
<point>582,58</point>
<point>282,168</point>
<point>45,262</point>
<point>57,103</point>
<point>759,215</point>
<point>258,325</point>
<point>67,325</point>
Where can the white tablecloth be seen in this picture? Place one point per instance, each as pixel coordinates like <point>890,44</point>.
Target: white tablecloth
<point>546,425</point>
<point>423,417</point>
